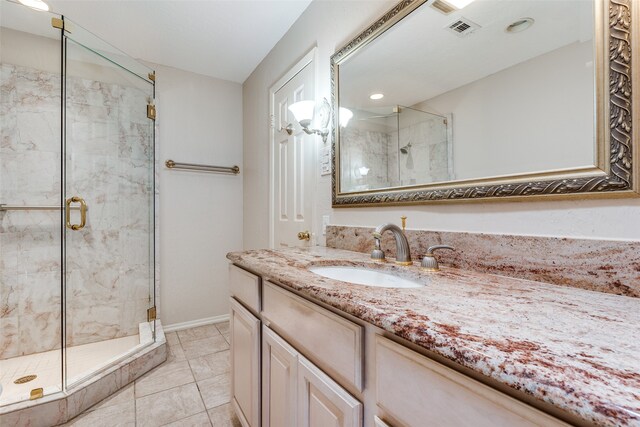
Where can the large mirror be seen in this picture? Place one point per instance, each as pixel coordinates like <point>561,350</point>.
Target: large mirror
<point>463,99</point>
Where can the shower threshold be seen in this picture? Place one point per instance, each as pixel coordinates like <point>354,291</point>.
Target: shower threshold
<point>82,362</point>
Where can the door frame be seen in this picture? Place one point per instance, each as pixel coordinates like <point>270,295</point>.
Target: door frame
<point>309,58</point>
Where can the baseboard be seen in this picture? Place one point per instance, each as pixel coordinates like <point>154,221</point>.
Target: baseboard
<point>193,323</point>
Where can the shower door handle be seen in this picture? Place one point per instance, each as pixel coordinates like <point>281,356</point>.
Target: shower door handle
<point>83,213</point>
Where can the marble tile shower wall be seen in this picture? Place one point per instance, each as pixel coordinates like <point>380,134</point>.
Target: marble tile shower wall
<point>364,148</point>
<point>108,151</point>
<point>29,240</point>
<point>428,159</point>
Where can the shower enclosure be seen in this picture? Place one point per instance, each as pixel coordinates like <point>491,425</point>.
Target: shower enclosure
<point>391,146</point>
<point>77,277</point>
<point>424,148</point>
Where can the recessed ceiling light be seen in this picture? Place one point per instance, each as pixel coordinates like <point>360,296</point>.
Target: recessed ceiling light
<point>375,96</point>
<point>35,4</point>
<point>520,25</point>
<point>459,4</point>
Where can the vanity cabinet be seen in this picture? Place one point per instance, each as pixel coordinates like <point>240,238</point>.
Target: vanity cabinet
<point>296,363</point>
<point>245,287</point>
<point>414,390</point>
<point>322,402</point>
<point>273,384</point>
<point>245,364</point>
<point>279,381</point>
<point>329,340</point>
<point>295,392</point>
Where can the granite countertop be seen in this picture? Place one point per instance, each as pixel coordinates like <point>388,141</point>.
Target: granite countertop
<point>575,349</point>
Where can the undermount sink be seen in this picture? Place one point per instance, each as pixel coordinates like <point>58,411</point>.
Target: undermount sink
<point>364,276</point>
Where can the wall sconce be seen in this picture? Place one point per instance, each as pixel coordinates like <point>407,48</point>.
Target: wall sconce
<point>36,4</point>
<point>308,112</point>
<point>344,115</point>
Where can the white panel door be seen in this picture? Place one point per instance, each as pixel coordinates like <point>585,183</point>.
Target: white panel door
<point>279,381</point>
<point>293,163</point>
<point>322,402</point>
<point>245,365</point>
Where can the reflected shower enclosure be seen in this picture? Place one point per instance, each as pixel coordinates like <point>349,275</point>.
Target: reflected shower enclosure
<point>77,223</point>
<point>395,146</point>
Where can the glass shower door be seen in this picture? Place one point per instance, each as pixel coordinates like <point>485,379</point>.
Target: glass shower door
<point>30,227</point>
<point>109,204</point>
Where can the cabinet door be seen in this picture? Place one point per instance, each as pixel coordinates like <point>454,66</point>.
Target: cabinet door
<point>322,402</point>
<point>279,381</point>
<point>245,365</point>
<point>377,422</point>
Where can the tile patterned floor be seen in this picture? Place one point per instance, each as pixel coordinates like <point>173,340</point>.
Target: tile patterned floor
<point>190,389</point>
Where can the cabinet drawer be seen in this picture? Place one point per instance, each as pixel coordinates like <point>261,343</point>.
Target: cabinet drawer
<point>418,391</point>
<point>245,287</point>
<point>330,341</point>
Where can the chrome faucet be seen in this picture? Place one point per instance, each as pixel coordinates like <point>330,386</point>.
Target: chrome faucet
<point>403,253</point>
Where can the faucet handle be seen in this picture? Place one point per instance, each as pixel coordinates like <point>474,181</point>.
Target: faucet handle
<point>431,249</point>
<point>429,262</point>
<point>404,222</point>
<point>378,253</point>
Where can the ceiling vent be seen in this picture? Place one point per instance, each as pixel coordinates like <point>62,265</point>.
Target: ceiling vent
<point>462,27</point>
<point>443,7</point>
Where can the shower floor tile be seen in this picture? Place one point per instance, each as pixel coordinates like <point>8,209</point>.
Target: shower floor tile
<point>81,361</point>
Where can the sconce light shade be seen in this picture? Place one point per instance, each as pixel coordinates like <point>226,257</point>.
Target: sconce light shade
<point>303,112</point>
<point>36,4</point>
<point>364,171</point>
<point>345,116</point>
<point>306,112</point>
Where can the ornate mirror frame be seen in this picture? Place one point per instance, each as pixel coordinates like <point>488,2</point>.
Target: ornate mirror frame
<point>616,173</point>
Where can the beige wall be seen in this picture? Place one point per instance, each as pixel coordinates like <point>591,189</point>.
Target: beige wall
<point>537,114</point>
<point>330,24</point>
<point>327,24</point>
<point>199,121</point>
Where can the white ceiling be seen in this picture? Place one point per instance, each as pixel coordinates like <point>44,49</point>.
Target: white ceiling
<point>419,59</point>
<point>226,39</point>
